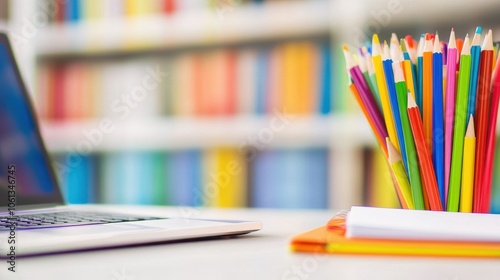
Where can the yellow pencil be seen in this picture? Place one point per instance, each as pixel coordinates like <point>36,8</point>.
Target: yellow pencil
<point>382,89</point>
<point>468,165</point>
<point>398,169</point>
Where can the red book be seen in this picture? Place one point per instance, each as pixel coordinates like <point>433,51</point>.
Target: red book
<point>230,99</point>
<point>60,14</point>
<point>58,101</point>
<point>169,6</point>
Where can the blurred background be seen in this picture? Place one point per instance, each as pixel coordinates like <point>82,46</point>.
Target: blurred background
<point>220,103</point>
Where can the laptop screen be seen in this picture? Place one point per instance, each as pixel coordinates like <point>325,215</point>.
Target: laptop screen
<point>24,166</point>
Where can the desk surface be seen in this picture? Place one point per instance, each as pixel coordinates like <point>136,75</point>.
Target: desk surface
<point>260,255</point>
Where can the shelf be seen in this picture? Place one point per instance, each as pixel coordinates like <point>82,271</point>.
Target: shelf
<point>185,133</point>
<point>452,13</point>
<point>247,23</point>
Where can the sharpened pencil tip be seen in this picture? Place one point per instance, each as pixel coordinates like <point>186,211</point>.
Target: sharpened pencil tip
<point>394,155</point>
<point>470,128</point>
<point>411,101</point>
<point>375,39</point>
<point>479,30</point>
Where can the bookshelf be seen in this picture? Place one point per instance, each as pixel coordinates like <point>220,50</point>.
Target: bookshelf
<point>198,28</point>
<point>344,133</point>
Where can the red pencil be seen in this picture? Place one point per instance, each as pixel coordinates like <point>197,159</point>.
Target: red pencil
<point>485,199</point>
<point>483,100</point>
<point>424,157</point>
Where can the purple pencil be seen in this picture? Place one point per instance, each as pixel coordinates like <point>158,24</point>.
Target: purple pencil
<point>365,93</point>
<point>449,107</point>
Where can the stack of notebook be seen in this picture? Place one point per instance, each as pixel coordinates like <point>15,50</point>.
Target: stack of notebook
<point>383,231</point>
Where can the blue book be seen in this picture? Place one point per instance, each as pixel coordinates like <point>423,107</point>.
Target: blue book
<point>78,180</point>
<point>133,177</point>
<point>184,178</point>
<point>325,102</point>
<point>290,179</point>
<point>72,10</point>
<point>262,79</point>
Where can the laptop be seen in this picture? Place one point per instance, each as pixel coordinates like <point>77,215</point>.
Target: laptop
<point>33,216</point>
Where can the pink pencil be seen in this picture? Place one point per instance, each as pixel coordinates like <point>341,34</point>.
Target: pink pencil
<point>449,107</point>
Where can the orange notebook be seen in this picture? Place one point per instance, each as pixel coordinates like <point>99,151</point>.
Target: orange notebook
<point>331,239</point>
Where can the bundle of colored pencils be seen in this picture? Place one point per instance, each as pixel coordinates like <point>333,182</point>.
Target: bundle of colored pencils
<point>433,109</point>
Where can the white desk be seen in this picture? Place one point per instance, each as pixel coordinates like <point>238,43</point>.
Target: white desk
<point>260,255</point>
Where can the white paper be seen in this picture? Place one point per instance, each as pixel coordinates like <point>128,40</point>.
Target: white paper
<point>384,223</point>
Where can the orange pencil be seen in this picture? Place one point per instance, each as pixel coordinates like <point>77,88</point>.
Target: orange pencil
<point>427,91</point>
<point>424,157</point>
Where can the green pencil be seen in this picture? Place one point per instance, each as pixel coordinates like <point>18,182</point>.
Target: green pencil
<point>411,154</point>
<point>459,128</point>
<point>371,74</point>
<point>362,63</point>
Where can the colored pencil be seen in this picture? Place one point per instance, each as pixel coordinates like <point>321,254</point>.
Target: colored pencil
<point>438,117</point>
<point>411,48</point>
<point>420,70</point>
<point>394,47</point>
<point>398,170</point>
<point>381,142</point>
<point>466,191</point>
<point>389,76</point>
<point>485,199</point>
<point>475,52</point>
<point>460,44</point>
<point>356,95</point>
<point>371,74</point>
<point>482,114</point>
<point>365,93</point>
<point>382,89</point>
<point>412,168</point>
<point>364,69</point>
<point>424,157</point>
<point>444,50</point>
<point>459,128</point>
<point>451,70</point>
<point>427,91</point>
<point>408,70</point>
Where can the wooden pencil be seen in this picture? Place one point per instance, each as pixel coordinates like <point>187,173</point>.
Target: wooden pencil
<point>411,155</point>
<point>451,65</point>
<point>382,89</point>
<point>438,117</point>
<point>459,128</point>
<point>485,199</point>
<point>427,96</point>
<point>396,164</point>
<point>482,116</point>
<point>475,52</point>
<point>365,93</point>
<point>391,89</point>
<point>466,192</point>
<point>424,157</point>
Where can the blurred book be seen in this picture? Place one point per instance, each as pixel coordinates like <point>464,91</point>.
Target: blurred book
<point>290,179</point>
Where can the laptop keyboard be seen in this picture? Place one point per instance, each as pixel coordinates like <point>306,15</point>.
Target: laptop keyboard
<point>69,218</point>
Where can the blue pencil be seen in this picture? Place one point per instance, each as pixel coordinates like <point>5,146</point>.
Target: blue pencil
<point>420,69</point>
<point>475,52</point>
<point>391,88</point>
<point>438,117</point>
